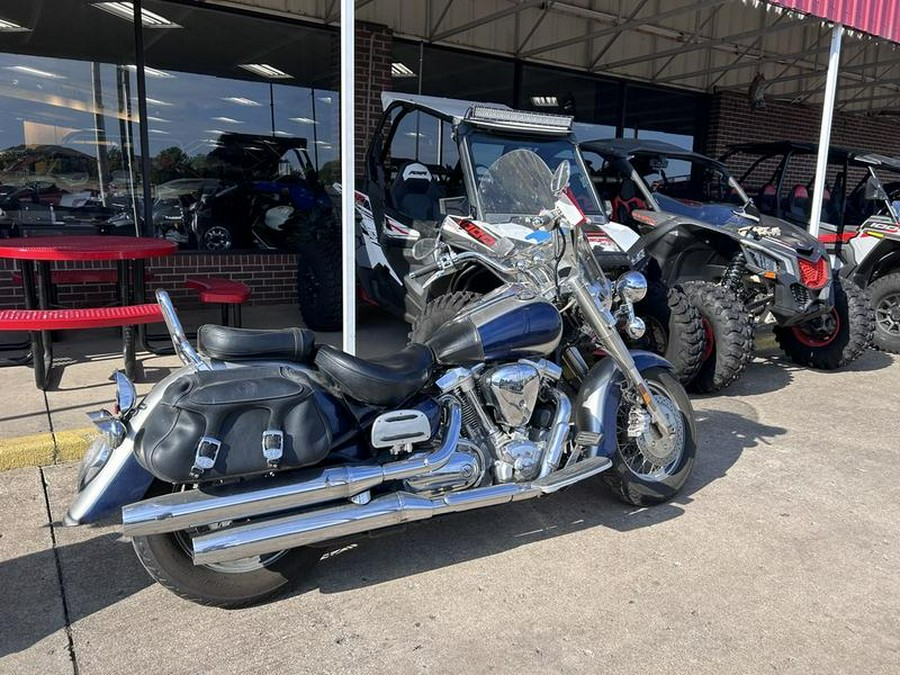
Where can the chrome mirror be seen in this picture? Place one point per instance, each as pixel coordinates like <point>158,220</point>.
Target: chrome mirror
<point>126,394</point>
<point>424,248</point>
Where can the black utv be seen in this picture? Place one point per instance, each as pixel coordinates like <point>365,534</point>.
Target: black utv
<point>424,164</point>
<point>738,267</point>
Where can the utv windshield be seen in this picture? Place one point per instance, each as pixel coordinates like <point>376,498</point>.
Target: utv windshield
<point>495,207</point>
<point>687,182</point>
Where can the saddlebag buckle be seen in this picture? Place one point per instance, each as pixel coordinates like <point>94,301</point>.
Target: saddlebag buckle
<point>205,456</point>
<point>273,446</point>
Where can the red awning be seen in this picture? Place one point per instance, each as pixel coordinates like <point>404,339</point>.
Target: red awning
<point>878,17</point>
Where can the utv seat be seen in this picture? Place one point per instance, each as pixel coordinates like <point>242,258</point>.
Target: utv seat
<point>415,192</point>
<point>384,381</point>
<point>626,201</point>
<point>767,199</point>
<point>797,205</point>
<point>237,344</point>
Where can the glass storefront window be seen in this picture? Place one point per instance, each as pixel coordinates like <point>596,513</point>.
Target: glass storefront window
<point>68,126</point>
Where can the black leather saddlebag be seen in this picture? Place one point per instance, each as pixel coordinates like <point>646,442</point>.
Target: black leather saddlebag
<point>218,424</point>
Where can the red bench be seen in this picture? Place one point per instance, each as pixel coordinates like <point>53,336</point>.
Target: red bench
<point>224,292</point>
<point>109,276</point>
<point>39,320</point>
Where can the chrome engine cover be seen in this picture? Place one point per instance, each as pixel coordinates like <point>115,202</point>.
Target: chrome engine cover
<point>512,391</point>
<point>466,468</point>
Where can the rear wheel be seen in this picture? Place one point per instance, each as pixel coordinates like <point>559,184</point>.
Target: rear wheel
<point>319,291</point>
<point>835,339</point>
<point>167,559</point>
<point>647,469</point>
<point>438,312</point>
<point>885,296</point>
<point>674,329</point>
<point>729,335</point>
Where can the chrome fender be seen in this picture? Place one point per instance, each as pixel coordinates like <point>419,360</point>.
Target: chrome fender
<point>598,399</point>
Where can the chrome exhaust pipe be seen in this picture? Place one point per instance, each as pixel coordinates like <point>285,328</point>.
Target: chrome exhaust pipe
<point>269,536</point>
<point>193,508</point>
<point>558,434</point>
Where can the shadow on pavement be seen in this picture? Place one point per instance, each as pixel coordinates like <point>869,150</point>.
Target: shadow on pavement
<point>102,570</point>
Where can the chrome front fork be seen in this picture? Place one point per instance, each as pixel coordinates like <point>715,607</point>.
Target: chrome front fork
<point>603,324</point>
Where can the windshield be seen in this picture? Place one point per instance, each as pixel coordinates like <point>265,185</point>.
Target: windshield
<point>690,182</point>
<point>485,150</point>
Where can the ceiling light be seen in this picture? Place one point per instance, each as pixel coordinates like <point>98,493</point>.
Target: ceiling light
<point>151,118</point>
<point>265,70</point>
<point>125,10</point>
<point>10,27</point>
<point>156,101</point>
<point>544,102</point>
<point>228,120</point>
<point>401,70</point>
<point>303,120</point>
<point>324,99</point>
<point>240,100</point>
<point>214,131</point>
<point>28,70</point>
<point>151,72</point>
<point>159,131</point>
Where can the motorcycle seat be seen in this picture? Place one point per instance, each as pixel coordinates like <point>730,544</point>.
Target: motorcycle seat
<point>384,381</point>
<point>236,344</point>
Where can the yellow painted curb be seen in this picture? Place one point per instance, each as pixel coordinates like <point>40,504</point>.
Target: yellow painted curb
<point>73,444</point>
<point>43,449</point>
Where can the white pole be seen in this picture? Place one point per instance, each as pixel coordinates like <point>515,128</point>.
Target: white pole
<point>348,168</point>
<point>834,60</point>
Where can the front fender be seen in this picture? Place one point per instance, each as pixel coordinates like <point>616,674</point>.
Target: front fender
<point>598,399</point>
<point>121,481</point>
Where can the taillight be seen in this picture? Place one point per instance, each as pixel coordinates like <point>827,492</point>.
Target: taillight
<point>814,275</point>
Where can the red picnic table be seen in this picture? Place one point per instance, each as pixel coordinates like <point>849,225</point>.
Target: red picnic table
<point>129,253</point>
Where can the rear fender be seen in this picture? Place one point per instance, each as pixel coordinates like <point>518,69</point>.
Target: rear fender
<point>598,399</point>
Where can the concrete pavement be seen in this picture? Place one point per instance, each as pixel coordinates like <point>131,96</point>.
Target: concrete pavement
<point>781,555</point>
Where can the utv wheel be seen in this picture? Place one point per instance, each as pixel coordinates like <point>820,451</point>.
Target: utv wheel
<point>836,339</point>
<point>167,559</point>
<point>885,296</point>
<point>319,292</point>
<point>642,476</point>
<point>216,238</point>
<point>729,336</point>
<point>438,312</point>
<point>674,329</point>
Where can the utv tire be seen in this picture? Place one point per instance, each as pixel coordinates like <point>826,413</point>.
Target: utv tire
<point>319,289</point>
<point>674,329</point>
<point>729,336</point>
<point>885,297</point>
<point>166,559</point>
<point>216,238</point>
<point>641,490</point>
<point>438,312</point>
<point>855,324</point>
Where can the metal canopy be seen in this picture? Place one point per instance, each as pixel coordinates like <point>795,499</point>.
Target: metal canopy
<point>699,45</point>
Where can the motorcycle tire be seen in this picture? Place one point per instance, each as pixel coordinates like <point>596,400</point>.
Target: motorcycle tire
<point>674,329</point>
<point>319,290</point>
<point>624,478</point>
<point>167,559</point>
<point>885,296</point>
<point>728,344</point>
<point>438,312</point>
<point>853,327</point>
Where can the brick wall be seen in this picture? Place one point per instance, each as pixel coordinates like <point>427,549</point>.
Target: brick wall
<point>732,121</point>
<point>374,48</point>
<point>272,278</point>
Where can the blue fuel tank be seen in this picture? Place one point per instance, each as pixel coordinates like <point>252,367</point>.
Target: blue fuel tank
<point>511,322</point>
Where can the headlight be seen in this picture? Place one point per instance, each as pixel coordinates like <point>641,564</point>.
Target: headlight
<point>94,460</point>
<point>763,261</point>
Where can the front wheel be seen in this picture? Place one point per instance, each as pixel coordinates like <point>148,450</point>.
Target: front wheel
<point>674,329</point>
<point>885,296</point>
<point>648,469</point>
<point>835,339</point>
<point>167,559</point>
